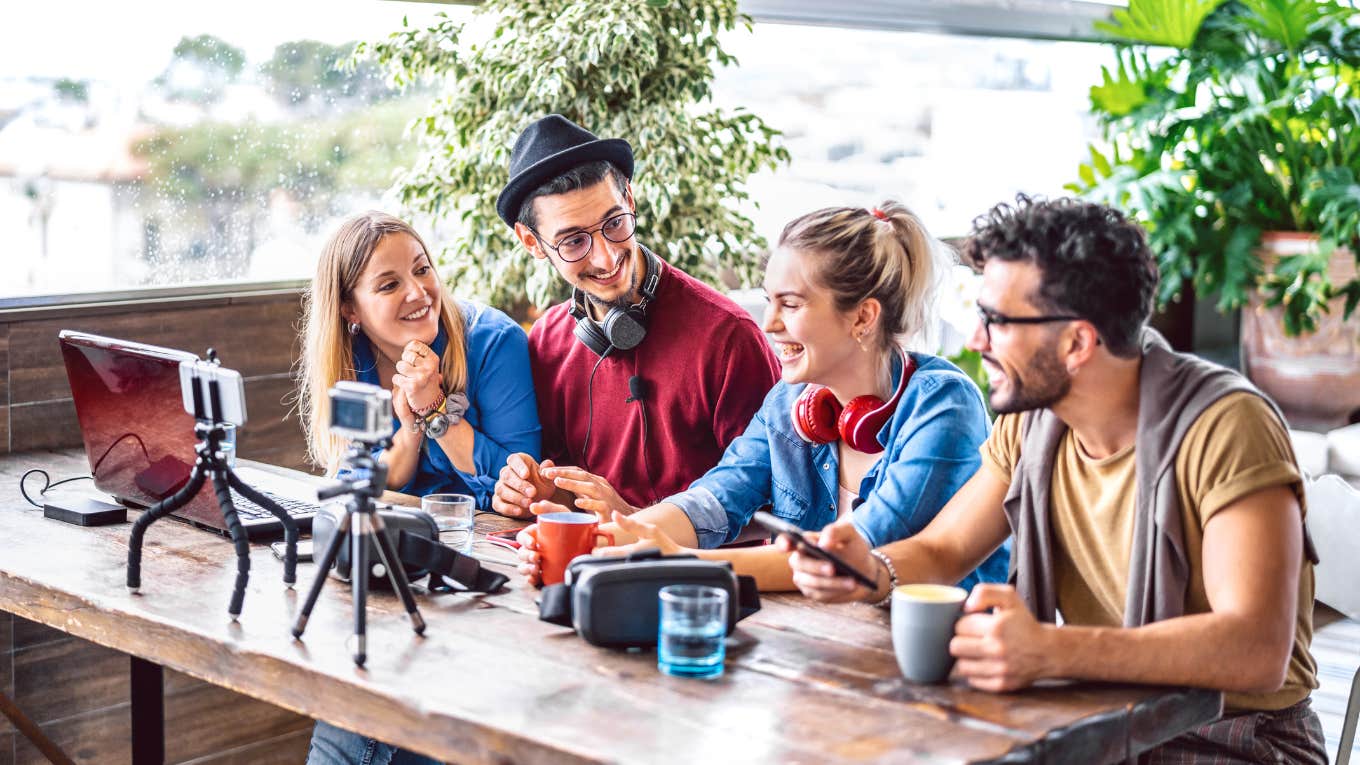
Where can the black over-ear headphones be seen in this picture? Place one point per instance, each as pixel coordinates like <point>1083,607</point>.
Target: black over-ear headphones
<point>622,328</point>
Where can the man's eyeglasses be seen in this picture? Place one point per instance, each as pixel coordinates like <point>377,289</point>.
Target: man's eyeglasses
<point>990,317</point>
<point>573,247</point>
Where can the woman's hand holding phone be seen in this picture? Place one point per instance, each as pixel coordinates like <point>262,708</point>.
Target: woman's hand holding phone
<point>817,578</point>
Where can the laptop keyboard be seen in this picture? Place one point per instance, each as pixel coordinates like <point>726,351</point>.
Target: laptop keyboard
<point>296,508</point>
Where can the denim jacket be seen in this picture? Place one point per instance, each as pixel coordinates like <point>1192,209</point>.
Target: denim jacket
<point>930,445</point>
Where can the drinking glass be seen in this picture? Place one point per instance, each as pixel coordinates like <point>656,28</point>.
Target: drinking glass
<point>453,517</point>
<point>227,446</point>
<point>692,626</point>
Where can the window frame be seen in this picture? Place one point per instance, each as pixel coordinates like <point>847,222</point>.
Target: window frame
<point>1062,20</point>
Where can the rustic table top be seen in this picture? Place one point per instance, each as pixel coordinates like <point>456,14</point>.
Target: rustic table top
<point>489,682</point>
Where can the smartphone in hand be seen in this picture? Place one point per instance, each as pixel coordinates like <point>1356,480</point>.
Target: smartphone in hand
<point>781,526</point>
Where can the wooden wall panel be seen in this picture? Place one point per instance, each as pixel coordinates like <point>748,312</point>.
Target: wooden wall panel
<point>255,335</point>
<point>205,719</point>
<point>28,634</point>
<point>68,677</point>
<point>6,680</point>
<point>101,737</point>
<point>272,434</point>
<point>78,692</point>
<point>255,338</point>
<point>44,425</point>
<point>4,365</point>
<point>288,749</point>
<point>4,396</point>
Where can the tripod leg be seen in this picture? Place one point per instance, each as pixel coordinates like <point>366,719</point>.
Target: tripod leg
<point>238,538</point>
<point>358,534</point>
<point>290,529</point>
<point>323,567</point>
<point>155,513</point>
<point>388,553</point>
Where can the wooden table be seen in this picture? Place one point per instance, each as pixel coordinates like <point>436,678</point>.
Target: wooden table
<point>491,683</point>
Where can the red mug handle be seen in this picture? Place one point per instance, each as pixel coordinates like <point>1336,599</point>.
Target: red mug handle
<point>607,536</point>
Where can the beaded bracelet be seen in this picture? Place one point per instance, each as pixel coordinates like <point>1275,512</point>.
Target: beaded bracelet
<point>892,577</point>
<point>425,410</point>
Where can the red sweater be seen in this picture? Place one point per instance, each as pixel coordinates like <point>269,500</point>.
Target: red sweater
<point>705,368</point>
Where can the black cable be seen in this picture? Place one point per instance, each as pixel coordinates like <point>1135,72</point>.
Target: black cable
<point>117,441</point>
<point>47,484</point>
<point>590,416</point>
<point>647,451</point>
<point>638,394</point>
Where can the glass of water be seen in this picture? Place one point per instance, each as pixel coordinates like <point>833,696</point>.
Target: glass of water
<point>692,626</point>
<point>453,516</point>
<point>227,446</point>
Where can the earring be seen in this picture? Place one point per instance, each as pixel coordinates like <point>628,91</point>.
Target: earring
<point>860,340</point>
<point>353,328</point>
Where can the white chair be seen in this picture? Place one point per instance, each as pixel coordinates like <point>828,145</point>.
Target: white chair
<point>1343,752</point>
<point>1334,524</point>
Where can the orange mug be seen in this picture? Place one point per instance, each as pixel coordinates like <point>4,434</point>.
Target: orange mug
<point>562,537</point>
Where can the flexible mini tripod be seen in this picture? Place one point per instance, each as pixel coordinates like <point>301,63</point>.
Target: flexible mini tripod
<point>208,427</point>
<point>361,523</point>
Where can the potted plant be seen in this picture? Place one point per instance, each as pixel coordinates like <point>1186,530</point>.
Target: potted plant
<point>639,70</point>
<point>1232,131</point>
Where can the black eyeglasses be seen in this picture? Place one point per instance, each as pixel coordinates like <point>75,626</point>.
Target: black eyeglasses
<point>573,247</point>
<point>990,317</point>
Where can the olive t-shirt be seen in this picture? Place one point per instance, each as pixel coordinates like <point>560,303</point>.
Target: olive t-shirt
<point>1236,447</point>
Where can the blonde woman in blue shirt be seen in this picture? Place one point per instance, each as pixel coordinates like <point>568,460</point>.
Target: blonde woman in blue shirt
<point>857,427</point>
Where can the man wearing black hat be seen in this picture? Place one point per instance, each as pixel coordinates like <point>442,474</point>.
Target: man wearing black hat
<point>643,378</point>
<point>646,374</point>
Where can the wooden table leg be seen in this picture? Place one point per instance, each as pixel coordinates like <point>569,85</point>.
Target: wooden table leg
<point>148,713</point>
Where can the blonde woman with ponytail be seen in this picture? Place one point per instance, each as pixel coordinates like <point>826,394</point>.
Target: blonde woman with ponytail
<point>378,313</point>
<point>859,426</point>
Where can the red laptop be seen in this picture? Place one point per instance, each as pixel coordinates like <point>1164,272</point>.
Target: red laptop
<point>138,438</point>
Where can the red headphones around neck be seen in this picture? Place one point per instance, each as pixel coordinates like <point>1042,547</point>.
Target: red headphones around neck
<point>818,417</point>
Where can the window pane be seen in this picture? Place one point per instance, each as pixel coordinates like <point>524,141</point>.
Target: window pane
<point>164,143</point>
<point>948,125</point>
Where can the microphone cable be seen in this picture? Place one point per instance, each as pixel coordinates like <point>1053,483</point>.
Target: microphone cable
<point>636,392</point>
<point>590,411</point>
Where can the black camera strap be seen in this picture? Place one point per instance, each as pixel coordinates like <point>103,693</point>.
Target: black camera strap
<point>441,561</point>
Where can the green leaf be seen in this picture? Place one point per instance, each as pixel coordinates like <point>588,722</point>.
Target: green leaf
<point>1171,23</point>
<point>1118,95</point>
<point>1352,293</point>
<point>1290,22</point>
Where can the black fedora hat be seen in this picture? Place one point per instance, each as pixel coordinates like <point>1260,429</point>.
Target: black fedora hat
<point>550,147</point>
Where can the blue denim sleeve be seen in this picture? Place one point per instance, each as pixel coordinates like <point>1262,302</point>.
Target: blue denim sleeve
<point>721,502</point>
<point>933,457</point>
<point>503,394</point>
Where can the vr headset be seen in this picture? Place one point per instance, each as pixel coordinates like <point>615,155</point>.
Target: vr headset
<point>612,602</point>
<point>416,537</point>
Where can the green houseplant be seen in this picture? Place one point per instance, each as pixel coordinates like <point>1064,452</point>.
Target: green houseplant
<point>636,69</point>
<point>1226,120</point>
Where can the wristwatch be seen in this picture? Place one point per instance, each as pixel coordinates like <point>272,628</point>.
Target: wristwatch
<point>449,413</point>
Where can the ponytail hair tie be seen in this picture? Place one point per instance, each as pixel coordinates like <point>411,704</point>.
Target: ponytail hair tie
<point>877,213</point>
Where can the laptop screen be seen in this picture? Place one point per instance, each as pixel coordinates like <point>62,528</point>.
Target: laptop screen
<point>138,438</point>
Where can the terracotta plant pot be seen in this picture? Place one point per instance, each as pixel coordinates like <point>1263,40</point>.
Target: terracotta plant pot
<point>1315,377</point>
